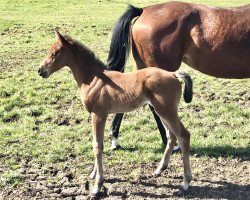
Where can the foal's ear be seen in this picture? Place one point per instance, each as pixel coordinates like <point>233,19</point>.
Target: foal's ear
<point>60,38</point>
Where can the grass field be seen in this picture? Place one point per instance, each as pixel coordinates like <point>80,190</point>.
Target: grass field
<point>43,124</point>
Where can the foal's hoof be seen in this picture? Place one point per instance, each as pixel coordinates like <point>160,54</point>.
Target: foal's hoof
<point>156,175</point>
<point>93,196</point>
<point>99,194</point>
<point>158,171</point>
<point>93,174</point>
<point>182,192</point>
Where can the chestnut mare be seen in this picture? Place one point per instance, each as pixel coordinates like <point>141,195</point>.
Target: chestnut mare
<point>104,91</point>
<point>212,40</point>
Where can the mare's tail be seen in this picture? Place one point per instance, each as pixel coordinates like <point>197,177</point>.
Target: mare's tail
<point>120,41</point>
<point>188,90</point>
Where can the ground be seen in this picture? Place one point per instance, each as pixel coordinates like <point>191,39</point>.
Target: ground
<point>45,133</point>
<point>213,178</point>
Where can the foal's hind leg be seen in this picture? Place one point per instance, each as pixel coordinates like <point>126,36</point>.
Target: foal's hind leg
<point>184,140</point>
<point>114,130</point>
<point>171,140</point>
<point>93,173</point>
<point>162,129</point>
<point>171,119</point>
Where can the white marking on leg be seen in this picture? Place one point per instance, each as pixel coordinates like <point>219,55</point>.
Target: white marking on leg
<point>176,147</point>
<point>114,143</point>
<point>93,174</point>
<point>158,171</point>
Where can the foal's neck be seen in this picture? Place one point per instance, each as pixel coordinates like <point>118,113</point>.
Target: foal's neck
<point>85,68</point>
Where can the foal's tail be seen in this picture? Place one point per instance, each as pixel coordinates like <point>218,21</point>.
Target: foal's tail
<point>188,90</point>
<point>120,41</point>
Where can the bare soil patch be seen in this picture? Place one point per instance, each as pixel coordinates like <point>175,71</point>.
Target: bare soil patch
<point>213,178</point>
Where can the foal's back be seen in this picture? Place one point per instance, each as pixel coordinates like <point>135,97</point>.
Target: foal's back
<point>128,91</point>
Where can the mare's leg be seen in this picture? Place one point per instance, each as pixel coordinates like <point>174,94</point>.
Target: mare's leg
<point>114,130</point>
<point>98,124</point>
<point>159,125</point>
<point>116,123</point>
<point>170,119</point>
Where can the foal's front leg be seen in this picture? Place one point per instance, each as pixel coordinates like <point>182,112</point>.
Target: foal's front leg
<point>98,124</point>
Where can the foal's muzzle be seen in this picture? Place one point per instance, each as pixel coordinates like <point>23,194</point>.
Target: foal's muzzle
<point>43,73</point>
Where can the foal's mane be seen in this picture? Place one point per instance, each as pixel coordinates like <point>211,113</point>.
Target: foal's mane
<point>83,51</point>
<point>80,49</point>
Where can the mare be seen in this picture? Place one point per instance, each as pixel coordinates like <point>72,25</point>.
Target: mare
<point>104,91</point>
<point>212,40</point>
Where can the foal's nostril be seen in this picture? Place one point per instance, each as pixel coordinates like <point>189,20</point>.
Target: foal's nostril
<point>43,73</point>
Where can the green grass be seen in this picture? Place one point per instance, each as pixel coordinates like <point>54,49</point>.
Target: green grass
<point>42,122</point>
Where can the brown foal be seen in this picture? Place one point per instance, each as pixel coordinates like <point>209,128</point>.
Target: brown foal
<point>104,91</point>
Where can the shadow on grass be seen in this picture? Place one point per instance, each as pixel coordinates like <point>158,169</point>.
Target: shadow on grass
<point>221,190</point>
<point>222,151</point>
<point>213,190</point>
<point>130,149</point>
<point>217,151</point>
<point>151,186</point>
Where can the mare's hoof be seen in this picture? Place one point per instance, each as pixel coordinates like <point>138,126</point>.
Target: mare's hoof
<point>117,147</point>
<point>176,149</point>
<point>182,192</point>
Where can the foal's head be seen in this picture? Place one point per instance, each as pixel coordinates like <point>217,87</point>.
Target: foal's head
<point>57,57</point>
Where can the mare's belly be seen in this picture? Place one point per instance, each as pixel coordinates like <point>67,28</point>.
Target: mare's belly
<point>221,65</point>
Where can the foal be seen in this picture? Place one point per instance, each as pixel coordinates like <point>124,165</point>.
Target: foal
<point>104,91</point>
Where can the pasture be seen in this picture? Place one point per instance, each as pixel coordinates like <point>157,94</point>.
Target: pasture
<point>45,133</point>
